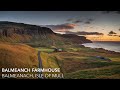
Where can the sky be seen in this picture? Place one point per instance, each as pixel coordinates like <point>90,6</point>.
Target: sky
<point>95,25</point>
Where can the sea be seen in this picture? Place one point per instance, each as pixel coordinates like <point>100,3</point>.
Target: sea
<point>107,45</point>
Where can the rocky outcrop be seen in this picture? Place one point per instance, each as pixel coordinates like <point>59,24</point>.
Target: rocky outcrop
<point>76,39</point>
<point>20,32</point>
<point>9,28</point>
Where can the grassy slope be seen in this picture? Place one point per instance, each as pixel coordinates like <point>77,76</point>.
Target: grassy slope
<point>75,62</point>
<point>80,63</point>
<point>15,38</point>
<point>108,72</point>
<point>17,56</point>
<point>44,49</point>
<point>49,61</point>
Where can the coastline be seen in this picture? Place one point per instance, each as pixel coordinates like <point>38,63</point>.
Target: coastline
<point>100,49</point>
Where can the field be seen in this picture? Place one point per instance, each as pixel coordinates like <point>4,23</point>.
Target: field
<point>75,62</point>
<point>81,63</point>
<point>44,49</point>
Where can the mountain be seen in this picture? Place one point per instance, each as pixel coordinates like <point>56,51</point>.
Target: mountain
<point>10,28</point>
<point>76,39</point>
<point>35,35</point>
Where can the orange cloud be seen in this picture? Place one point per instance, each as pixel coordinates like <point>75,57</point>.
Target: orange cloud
<point>62,27</point>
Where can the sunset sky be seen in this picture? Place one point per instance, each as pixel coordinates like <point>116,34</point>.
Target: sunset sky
<point>95,25</point>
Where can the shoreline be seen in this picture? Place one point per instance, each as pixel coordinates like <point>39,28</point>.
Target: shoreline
<point>100,49</point>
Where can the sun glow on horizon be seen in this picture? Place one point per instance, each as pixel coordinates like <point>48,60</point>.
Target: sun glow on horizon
<point>103,38</point>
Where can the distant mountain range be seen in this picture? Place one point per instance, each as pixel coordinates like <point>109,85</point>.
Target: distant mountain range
<point>36,35</point>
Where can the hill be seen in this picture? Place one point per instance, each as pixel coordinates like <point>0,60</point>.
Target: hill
<point>35,35</point>
<point>76,39</point>
<point>17,56</point>
<point>17,53</point>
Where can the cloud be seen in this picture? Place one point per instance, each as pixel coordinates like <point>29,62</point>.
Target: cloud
<point>90,19</point>
<point>109,12</point>
<point>70,19</point>
<point>84,33</point>
<point>77,21</point>
<point>111,33</point>
<point>106,12</point>
<point>62,27</point>
<point>74,20</point>
<point>87,22</point>
<point>118,12</point>
<point>62,30</point>
<point>69,32</point>
<point>89,33</point>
